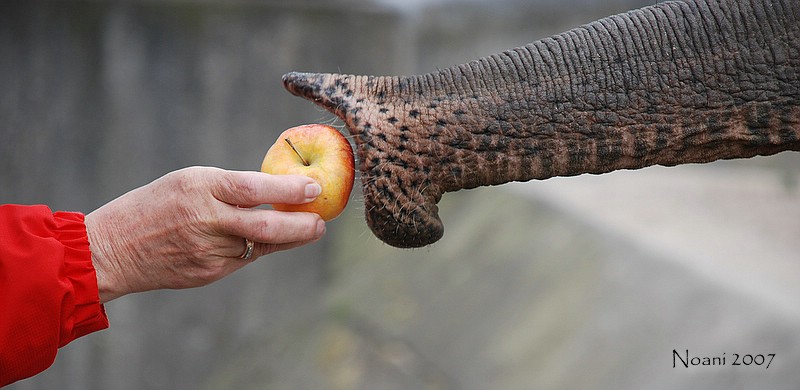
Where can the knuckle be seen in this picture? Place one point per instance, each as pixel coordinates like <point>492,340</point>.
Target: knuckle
<point>185,181</point>
<point>249,187</point>
<point>268,249</point>
<point>279,229</point>
<point>207,274</point>
<point>203,272</point>
<point>265,229</point>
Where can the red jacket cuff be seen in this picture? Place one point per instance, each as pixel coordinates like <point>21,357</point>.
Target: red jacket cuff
<point>86,314</point>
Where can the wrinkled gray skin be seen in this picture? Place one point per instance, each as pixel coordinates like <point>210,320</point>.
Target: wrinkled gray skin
<point>669,84</point>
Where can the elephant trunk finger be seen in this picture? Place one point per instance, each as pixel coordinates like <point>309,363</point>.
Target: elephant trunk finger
<point>669,84</point>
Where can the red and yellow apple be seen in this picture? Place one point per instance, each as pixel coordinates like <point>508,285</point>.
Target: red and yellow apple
<point>322,153</point>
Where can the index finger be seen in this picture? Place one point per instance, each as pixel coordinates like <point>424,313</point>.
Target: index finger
<point>250,188</point>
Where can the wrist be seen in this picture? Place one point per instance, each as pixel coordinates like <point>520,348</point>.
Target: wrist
<point>108,284</point>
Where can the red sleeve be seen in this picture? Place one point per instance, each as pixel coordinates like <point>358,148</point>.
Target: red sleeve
<point>48,288</point>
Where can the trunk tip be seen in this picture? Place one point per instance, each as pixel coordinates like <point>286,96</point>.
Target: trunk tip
<point>306,85</point>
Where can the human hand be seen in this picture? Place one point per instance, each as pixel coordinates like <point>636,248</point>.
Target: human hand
<point>188,228</point>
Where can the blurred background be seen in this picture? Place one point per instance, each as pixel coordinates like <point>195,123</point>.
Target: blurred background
<point>584,282</point>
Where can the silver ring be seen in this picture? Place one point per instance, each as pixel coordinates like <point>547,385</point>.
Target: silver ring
<point>248,251</point>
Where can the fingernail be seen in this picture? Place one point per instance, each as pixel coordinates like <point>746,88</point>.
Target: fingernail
<point>320,228</point>
<point>312,191</point>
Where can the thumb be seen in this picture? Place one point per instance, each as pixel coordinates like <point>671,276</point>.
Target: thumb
<point>250,188</point>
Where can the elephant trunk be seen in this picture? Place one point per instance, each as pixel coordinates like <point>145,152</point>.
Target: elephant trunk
<point>669,84</point>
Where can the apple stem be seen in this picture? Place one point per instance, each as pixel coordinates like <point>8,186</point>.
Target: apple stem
<point>298,153</point>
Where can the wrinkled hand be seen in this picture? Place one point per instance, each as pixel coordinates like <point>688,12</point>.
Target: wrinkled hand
<point>187,228</point>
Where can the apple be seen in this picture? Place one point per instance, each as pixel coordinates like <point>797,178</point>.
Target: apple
<point>322,153</point>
